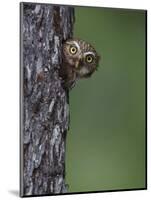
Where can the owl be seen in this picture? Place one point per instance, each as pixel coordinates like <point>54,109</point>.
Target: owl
<point>80,60</point>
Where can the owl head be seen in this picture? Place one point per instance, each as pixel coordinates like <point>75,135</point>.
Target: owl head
<point>81,57</point>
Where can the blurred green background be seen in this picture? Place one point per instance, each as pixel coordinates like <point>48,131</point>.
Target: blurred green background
<point>106,141</point>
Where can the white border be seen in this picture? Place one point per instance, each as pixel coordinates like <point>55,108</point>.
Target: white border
<point>9,98</point>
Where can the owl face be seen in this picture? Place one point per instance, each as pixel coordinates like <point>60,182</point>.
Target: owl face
<point>81,57</point>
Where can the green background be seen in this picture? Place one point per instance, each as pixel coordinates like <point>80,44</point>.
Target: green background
<point>106,141</point>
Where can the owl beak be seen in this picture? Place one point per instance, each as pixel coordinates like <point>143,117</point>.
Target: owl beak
<point>78,62</point>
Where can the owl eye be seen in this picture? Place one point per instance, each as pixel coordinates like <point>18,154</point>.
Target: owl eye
<point>89,58</point>
<point>73,50</point>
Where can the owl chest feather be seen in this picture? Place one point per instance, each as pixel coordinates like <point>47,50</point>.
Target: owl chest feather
<point>83,71</point>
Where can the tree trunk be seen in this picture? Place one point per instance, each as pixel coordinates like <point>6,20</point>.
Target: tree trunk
<point>44,102</point>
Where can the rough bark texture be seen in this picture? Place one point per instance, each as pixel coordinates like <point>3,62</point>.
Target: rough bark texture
<point>45,104</point>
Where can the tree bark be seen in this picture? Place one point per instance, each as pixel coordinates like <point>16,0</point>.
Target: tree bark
<point>44,102</point>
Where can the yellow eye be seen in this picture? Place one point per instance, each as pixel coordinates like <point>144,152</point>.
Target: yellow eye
<point>73,50</point>
<point>89,58</point>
